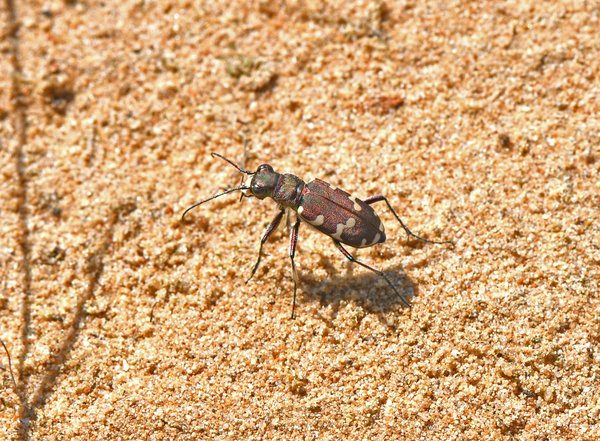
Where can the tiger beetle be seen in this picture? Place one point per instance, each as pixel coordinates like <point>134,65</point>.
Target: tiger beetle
<point>344,218</point>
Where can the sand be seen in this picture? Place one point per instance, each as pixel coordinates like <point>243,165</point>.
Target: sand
<point>478,120</point>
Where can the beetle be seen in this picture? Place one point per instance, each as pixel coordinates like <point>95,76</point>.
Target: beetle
<point>330,210</point>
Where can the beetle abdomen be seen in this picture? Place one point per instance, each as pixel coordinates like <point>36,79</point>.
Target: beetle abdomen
<point>340,215</point>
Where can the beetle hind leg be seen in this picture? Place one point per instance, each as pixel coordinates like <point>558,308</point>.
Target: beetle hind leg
<point>351,258</point>
<point>270,228</point>
<point>293,241</point>
<point>379,198</point>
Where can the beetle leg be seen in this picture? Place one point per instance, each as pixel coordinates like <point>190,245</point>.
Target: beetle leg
<point>288,222</point>
<point>380,273</point>
<point>379,198</point>
<point>270,228</point>
<point>293,240</point>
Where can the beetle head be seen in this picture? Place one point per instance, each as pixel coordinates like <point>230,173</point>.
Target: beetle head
<point>263,181</point>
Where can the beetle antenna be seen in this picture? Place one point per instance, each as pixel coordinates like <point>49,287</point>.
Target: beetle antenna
<point>233,163</point>
<point>231,190</point>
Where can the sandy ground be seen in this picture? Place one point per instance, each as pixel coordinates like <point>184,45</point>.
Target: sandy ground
<point>479,121</point>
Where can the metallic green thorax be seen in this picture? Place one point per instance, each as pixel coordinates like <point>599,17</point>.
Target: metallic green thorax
<point>285,189</point>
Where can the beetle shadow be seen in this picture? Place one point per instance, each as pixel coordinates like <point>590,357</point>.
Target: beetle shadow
<point>365,288</point>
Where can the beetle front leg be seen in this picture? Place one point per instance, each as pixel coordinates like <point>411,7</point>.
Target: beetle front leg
<point>293,240</point>
<point>351,258</point>
<point>379,198</point>
<point>270,228</point>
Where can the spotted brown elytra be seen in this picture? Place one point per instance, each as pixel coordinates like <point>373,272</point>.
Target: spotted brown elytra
<point>344,218</point>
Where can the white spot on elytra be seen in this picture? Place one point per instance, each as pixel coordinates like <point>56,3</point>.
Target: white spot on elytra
<point>357,207</point>
<point>320,220</point>
<point>300,209</point>
<point>376,240</point>
<point>363,243</point>
<point>381,228</point>
<point>339,229</point>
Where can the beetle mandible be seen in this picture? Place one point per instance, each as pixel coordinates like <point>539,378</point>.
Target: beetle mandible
<point>339,215</point>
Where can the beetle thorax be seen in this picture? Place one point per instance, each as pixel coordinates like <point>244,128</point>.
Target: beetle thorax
<point>288,191</point>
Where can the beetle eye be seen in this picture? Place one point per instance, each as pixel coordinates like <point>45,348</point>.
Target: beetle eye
<point>265,168</point>
<point>259,191</point>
